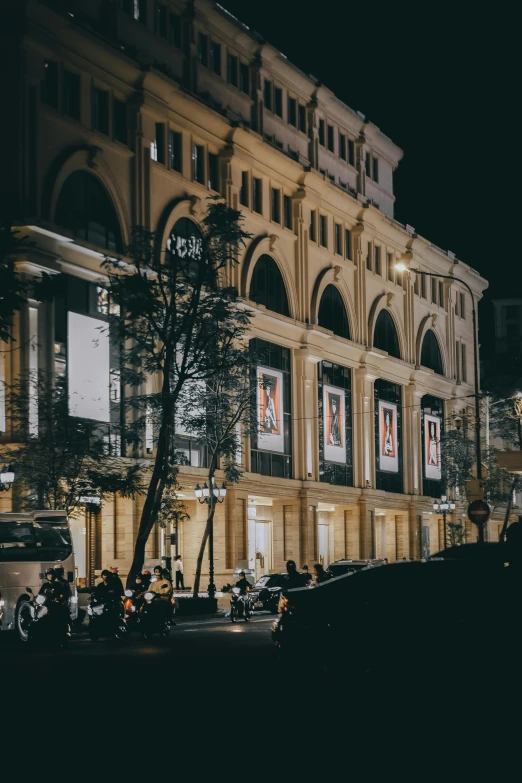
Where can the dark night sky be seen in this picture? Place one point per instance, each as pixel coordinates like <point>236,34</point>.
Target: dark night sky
<point>442,83</point>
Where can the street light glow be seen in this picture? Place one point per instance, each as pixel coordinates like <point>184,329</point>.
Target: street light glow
<point>401,267</point>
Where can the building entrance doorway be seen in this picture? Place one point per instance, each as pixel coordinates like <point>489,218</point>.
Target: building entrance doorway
<point>260,546</point>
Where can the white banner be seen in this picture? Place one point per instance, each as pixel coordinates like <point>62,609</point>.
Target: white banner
<point>334,424</point>
<point>432,464</point>
<point>88,364</point>
<point>270,410</point>
<point>388,440</point>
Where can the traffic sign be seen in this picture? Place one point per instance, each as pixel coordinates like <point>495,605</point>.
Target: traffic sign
<point>479,512</point>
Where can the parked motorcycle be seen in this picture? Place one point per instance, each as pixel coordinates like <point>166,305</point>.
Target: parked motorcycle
<point>48,622</point>
<point>107,619</point>
<point>154,616</point>
<point>240,605</point>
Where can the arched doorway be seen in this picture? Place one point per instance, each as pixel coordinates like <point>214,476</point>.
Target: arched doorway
<point>332,312</point>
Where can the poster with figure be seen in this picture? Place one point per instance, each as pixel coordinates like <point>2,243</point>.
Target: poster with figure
<point>334,424</point>
<point>388,444</point>
<point>432,466</point>
<point>270,410</point>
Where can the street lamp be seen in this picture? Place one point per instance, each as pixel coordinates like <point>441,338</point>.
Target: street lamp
<point>444,505</point>
<point>210,496</point>
<point>403,267</point>
<point>6,478</point>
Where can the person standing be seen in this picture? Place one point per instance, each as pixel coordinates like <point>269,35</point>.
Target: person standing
<point>178,568</point>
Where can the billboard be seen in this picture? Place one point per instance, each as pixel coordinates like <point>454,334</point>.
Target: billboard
<point>388,438</point>
<point>334,424</point>
<point>432,464</point>
<point>88,366</point>
<point>270,410</point>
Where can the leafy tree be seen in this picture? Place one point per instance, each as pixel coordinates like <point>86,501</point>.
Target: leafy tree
<point>176,318</point>
<point>220,413</point>
<point>12,287</point>
<point>63,458</point>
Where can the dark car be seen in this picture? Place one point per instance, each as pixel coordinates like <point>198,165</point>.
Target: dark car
<point>407,617</point>
<point>340,567</point>
<point>266,592</point>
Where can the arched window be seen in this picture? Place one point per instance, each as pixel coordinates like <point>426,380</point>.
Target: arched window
<point>267,286</point>
<point>332,312</point>
<point>85,209</point>
<point>430,354</point>
<point>385,335</point>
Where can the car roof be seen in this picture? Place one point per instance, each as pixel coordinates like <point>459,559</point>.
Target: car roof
<point>356,562</point>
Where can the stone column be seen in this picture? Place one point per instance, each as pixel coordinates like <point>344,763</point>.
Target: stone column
<point>361,325</point>
<point>412,440</point>
<point>415,531</point>
<point>307,529</point>
<point>313,134</point>
<point>256,116</point>
<point>366,528</point>
<point>339,523</point>
<point>401,537</point>
<point>363,428</point>
<point>352,534</point>
<point>305,435</point>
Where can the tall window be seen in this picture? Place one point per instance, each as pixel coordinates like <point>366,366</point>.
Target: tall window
<point>441,294</point>
<point>213,172</point>
<point>287,210</point>
<point>338,239</point>
<point>330,138</point>
<point>119,121</point>
<point>50,84</point>
<point>332,312</point>
<point>244,78</point>
<point>385,335</point>
<point>257,195</point>
<point>375,169</point>
<point>198,163</point>
<point>377,256</point>
<point>157,147</point>
<point>462,305</point>
<point>302,118</point>
<point>215,57</point>
<point>268,287</point>
<point>335,424</point>
<point>85,209</point>
<point>430,354</point>
<point>278,101</point>
<point>368,164</point>
<point>388,472</point>
<point>323,230</point>
<point>100,110</point>
<point>232,70</point>
<point>391,267</point>
<point>71,95</point>
<point>313,226</point>
<point>275,462</point>
<point>292,112</point>
<point>175,151</point>
<point>267,94</point>
<point>276,205</point>
<point>244,189</point>
<point>160,20</point>
<point>342,146</point>
<point>348,244</point>
<point>351,152</point>
<point>175,30</point>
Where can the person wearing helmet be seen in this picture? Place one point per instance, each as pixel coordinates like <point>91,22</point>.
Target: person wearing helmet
<point>243,583</point>
<point>52,588</point>
<point>161,585</point>
<point>60,576</point>
<point>117,581</point>
<point>107,589</point>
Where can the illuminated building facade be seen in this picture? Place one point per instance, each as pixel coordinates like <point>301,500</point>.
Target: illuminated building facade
<point>133,112</point>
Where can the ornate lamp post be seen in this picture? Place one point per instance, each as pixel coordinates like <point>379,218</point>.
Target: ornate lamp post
<point>6,478</point>
<point>444,505</point>
<point>211,496</point>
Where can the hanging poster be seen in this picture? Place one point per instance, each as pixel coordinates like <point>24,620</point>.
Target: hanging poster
<point>270,410</point>
<point>334,424</point>
<point>388,444</point>
<point>432,466</point>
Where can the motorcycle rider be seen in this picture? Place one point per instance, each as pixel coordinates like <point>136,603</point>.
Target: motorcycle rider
<point>60,576</point>
<point>244,586</point>
<point>294,578</point>
<point>117,580</point>
<point>54,594</point>
<point>107,589</point>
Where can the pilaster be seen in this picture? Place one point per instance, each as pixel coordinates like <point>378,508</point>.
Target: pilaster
<point>412,440</point>
<point>363,428</point>
<point>366,528</point>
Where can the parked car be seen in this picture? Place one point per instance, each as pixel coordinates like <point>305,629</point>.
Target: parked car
<point>266,592</point>
<point>340,567</point>
<point>407,616</point>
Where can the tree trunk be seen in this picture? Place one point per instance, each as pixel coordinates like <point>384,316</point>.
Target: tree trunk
<point>153,499</point>
<point>509,506</point>
<point>197,578</point>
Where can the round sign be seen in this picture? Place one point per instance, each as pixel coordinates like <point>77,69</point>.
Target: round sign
<point>479,512</point>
